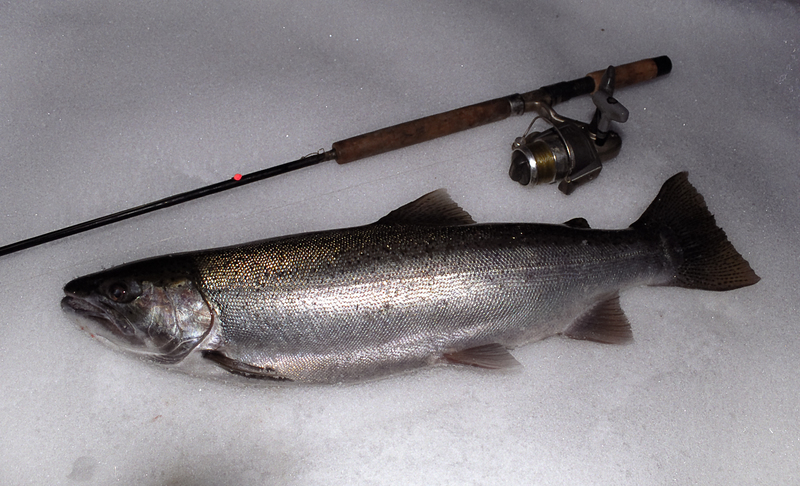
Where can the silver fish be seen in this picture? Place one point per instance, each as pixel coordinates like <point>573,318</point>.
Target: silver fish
<point>424,285</point>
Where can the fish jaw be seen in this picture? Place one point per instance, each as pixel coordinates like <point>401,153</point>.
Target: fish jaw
<point>96,321</point>
<point>138,309</point>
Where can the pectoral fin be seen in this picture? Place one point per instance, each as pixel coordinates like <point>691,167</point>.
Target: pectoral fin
<point>492,356</point>
<point>240,368</point>
<point>605,322</point>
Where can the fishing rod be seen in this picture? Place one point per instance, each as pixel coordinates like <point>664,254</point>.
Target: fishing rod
<point>538,157</point>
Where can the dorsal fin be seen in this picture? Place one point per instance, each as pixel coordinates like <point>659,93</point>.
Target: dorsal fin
<point>492,356</point>
<point>604,322</point>
<point>578,223</point>
<point>435,209</point>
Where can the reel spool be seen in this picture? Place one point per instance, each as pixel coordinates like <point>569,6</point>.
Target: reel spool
<point>570,152</point>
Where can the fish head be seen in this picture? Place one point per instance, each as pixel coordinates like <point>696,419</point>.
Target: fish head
<point>150,308</point>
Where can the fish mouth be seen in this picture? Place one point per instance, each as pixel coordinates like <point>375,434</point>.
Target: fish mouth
<point>102,325</point>
<point>83,308</point>
<point>100,322</point>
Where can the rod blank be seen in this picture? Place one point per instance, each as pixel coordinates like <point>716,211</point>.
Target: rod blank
<point>165,203</point>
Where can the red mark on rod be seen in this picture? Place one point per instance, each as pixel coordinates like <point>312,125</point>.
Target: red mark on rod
<point>237,177</point>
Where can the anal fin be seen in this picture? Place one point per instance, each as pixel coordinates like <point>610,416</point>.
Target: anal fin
<point>492,356</point>
<point>604,322</point>
<point>239,368</point>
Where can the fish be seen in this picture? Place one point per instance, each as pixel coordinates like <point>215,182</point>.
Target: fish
<point>423,286</point>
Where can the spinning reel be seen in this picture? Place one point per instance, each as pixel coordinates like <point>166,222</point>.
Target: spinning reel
<point>571,152</point>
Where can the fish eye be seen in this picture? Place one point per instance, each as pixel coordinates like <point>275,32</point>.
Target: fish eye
<point>120,292</point>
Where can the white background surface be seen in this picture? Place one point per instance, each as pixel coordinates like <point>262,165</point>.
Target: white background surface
<point>107,105</point>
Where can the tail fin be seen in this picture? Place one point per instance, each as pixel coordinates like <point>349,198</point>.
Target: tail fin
<point>705,258</point>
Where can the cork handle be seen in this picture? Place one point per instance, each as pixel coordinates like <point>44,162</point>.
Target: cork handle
<point>636,72</point>
<point>421,130</point>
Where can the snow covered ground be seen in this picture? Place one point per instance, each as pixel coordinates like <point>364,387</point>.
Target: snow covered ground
<point>107,105</point>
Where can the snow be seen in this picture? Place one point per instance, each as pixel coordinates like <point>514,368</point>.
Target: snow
<point>107,105</point>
